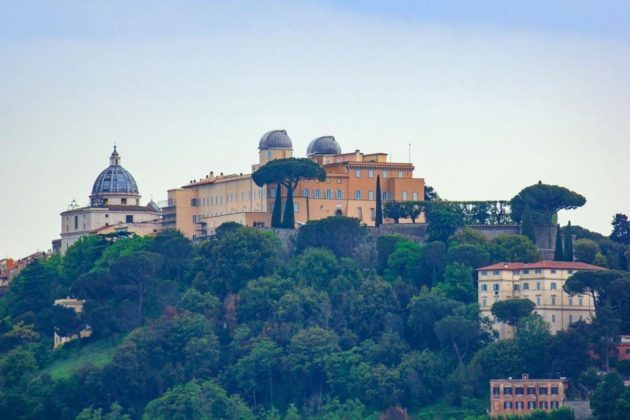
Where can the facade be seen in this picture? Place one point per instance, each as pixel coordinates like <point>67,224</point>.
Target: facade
<point>542,283</point>
<point>521,396</point>
<point>114,207</point>
<point>623,347</point>
<point>77,306</point>
<point>198,208</point>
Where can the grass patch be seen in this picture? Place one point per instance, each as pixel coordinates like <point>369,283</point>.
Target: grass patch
<point>71,356</point>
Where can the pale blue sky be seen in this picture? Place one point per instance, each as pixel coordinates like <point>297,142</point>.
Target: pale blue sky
<point>493,95</point>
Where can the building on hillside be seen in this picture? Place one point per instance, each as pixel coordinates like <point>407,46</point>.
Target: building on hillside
<point>114,207</point>
<point>521,396</point>
<point>541,282</point>
<point>623,347</point>
<point>77,306</point>
<point>201,206</point>
<point>9,268</point>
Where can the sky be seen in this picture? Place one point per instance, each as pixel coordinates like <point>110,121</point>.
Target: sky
<point>493,96</point>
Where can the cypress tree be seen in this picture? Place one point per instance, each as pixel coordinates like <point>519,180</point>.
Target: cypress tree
<point>379,204</point>
<point>558,255</point>
<point>288,221</point>
<point>527,225</point>
<point>276,215</point>
<point>568,243</point>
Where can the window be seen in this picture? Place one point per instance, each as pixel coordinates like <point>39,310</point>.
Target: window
<point>484,303</point>
<point>484,273</point>
<point>538,300</point>
<point>507,405</point>
<point>581,301</point>
<point>306,192</point>
<point>538,271</point>
<point>129,218</point>
<point>555,404</point>
<point>370,173</point>
<point>570,301</point>
<point>404,195</point>
<point>525,286</point>
<point>519,405</point>
<point>553,271</point>
<point>414,196</point>
<point>194,202</point>
<point>484,287</point>
<point>507,390</point>
<point>531,390</point>
<point>360,213</point>
<point>385,174</point>
<point>517,272</point>
<point>318,193</point>
<point>519,390</point>
<point>357,173</point>
<point>542,390</point>
<point>371,195</point>
<point>76,222</point>
<point>123,201</point>
<point>372,214</point>
<point>525,271</point>
<point>553,318</point>
<point>296,207</point>
<point>570,271</point>
<point>515,288</point>
<point>554,390</point>
<point>553,300</point>
<point>537,285</point>
<point>543,405</point>
<point>495,273</point>
<point>268,154</point>
<point>272,192</point>
<point>553,286</point>
<point>570,322</point>
<point>357,195</point>
<point>400,174</point>
<point>339,195</point>
<point>531,405</point>
<point>496,390</point>
<point>329,193</point>
<point>495,287</point>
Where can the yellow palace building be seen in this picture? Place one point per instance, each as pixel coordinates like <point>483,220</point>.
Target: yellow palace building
<point>196,209</point>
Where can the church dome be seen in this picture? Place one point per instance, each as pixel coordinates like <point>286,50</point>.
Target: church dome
<point>325,145</point>
<point>275,139</point>
<point>114,179</point>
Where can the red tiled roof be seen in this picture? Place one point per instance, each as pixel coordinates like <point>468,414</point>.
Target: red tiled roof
<point>562,265</point>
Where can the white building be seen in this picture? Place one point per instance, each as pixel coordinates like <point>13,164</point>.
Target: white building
<point>114,206</point>
<point>542,283</point>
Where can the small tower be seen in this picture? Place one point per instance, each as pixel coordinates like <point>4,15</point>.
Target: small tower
<point>274,144</point>
<point>114,159</point>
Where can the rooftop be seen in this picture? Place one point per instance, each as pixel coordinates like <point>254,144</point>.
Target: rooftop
<point>561,265</point>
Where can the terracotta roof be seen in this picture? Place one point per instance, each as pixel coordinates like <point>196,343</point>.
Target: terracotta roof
<point>562,265</point>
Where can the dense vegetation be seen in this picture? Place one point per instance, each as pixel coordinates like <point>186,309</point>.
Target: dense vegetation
<point>240,326</point>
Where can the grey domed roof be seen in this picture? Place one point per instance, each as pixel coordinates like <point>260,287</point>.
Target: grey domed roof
<point>114,179</point>
<point>325,145</point>
<point>275,139</point>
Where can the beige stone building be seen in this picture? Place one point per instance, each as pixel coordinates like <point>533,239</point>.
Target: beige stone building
<point>77,306</point>
<point>542,283</point>
<point>522,396</point>
<point>201,206</point>
<point>114,207</point>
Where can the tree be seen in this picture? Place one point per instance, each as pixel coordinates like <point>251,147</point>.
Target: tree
<point>424,311</point>
<point>517,248</point>
<point>586,250</point>
<point>558,254</point>
<point>422,374</point>
<point>568,243</point>
<point>430,194</point>
<point>511,311</point>
<point>395,210</point>
<point>288,172</point>
<point>458,332</point>
<point>474,256</point>
<point>544,201</point>
<point>604,399</point>
<point>197,400</point>
<point>379,203</point>
<point>412,210</point>
<point>340,234</point>
<point>621,229</point>
<point>254,372</point>
<point>443,221</point>
<point>527,224</point>
<point>458,283</point>
<point>532,341</point>
<point>385,246</point>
